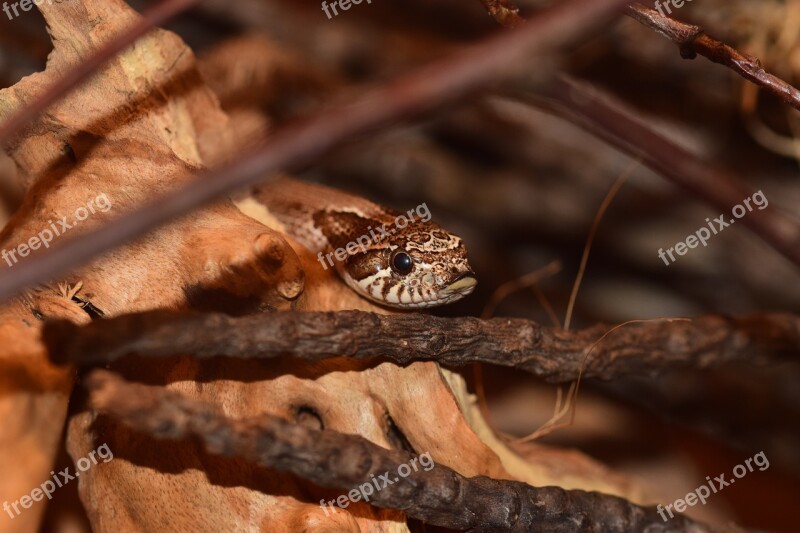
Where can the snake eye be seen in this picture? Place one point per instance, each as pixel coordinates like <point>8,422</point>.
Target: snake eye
<point>401,263</point>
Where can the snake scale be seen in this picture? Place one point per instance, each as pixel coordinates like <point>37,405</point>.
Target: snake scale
<point>402,264</point>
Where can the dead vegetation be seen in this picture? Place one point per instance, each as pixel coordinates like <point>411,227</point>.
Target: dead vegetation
<point>241,387</point>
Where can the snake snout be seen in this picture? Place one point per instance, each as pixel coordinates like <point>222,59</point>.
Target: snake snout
<point>464,283</point>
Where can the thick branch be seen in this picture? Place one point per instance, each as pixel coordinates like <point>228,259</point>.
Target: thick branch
<point>554,354</point>
<point>692,40</point>
<point>438,496</point>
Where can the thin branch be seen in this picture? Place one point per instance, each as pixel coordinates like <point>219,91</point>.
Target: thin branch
<point>692,40</point>
<point>438,496</point>
<point>504,12</point>
<point>150,19</point>
<point>474,68</point>
<point>584,106</point>
<point>647,348</point>
<point>614,122</point>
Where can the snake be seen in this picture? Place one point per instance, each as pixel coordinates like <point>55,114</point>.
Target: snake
<point>398,260</point>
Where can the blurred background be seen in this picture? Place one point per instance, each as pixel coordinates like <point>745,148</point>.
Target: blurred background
<point>522,188</point>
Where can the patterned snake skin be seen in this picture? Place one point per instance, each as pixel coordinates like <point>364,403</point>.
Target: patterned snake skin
<point>407,265</point>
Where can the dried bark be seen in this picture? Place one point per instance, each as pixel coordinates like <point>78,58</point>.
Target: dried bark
<point>647,348</point>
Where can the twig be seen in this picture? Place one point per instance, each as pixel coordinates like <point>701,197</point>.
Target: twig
<point>613,122</point>
<point>598,217</point>
<point>551,353</point>
<point>438,496</point>
<point>692,40</point>
<point>474,68</point>
<point>504,12</point>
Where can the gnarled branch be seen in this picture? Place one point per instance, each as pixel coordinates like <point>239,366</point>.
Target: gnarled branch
<point>550,353</point>
<point>438,496</point>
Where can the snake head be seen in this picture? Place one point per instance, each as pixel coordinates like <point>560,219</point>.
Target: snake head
<point>406,265</point>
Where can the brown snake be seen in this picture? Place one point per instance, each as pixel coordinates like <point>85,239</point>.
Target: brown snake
<point>407,265</point>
